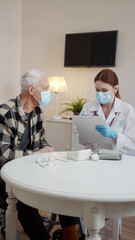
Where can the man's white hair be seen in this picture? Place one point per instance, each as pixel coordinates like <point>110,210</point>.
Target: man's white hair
<point>31,77</point>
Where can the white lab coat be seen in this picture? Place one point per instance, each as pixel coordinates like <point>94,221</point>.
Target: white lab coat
<point>123,123</point>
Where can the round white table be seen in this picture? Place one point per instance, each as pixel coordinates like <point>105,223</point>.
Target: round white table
<point>93,190</point>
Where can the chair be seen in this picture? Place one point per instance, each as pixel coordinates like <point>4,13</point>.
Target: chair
<point>57,234</point>
<point>3,206</point>
<point>2,223</point>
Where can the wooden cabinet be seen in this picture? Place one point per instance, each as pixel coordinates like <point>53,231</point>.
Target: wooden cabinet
<point>60,135</point>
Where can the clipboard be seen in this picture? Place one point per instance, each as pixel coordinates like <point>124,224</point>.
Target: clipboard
<point>86,128</point>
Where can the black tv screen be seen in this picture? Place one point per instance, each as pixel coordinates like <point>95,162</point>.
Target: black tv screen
<point>90,49</point>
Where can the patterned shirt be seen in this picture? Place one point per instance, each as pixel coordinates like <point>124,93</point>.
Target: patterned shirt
<point>12,125</point>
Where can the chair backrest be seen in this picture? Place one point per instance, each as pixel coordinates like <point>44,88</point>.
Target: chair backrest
<point>2,219</point>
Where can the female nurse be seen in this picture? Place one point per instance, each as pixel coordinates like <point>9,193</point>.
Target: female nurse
<point>118,115</point>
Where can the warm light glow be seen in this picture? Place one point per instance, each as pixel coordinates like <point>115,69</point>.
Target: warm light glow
<point>57,84</point>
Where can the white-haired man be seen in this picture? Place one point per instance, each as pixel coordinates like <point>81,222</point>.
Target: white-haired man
<point>22,133</point>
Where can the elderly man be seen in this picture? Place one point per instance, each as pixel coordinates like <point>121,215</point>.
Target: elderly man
<point>22,133</point>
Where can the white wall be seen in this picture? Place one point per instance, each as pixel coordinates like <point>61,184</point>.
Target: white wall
<point>10,48</point>
<point>44,25</point>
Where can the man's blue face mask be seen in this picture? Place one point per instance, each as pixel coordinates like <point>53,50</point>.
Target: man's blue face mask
<point>103,97</point>
<point>45,98</point>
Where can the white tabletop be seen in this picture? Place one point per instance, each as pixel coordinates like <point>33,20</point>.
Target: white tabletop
<point>101,181</point>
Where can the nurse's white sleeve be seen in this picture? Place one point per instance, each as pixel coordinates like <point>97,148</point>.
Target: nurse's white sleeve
<point>125,144</point>
<point>126,139</point>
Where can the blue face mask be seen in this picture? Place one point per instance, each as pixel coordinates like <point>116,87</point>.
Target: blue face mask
<point>45,98</point>
<point>103,97</point>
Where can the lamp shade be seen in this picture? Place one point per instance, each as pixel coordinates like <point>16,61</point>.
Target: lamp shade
<point>57,84</point>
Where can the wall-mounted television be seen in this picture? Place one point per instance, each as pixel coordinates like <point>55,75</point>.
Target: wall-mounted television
<point>93,49</point>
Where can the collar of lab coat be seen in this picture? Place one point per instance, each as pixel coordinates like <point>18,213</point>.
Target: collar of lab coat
<point>117,107</point>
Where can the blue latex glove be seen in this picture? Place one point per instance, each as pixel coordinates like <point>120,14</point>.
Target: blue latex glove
<point>106,131</point>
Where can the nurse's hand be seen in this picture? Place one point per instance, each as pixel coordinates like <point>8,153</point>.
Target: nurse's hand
<point>106,131</point>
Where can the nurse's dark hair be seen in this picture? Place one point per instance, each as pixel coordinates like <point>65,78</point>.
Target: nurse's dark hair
<point>108,76</point>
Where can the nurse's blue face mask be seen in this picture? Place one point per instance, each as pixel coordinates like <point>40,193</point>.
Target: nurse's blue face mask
<point>45,98</point>
<point>103,97</point>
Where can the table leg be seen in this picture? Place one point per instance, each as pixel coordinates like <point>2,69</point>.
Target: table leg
<point>11,218</point>
<point>94,219</point>
<point>93,235</point>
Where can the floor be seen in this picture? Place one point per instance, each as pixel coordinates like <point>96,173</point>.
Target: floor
<point>128,229</point>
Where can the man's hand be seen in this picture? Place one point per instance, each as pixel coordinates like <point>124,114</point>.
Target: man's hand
<point>47,149</point>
